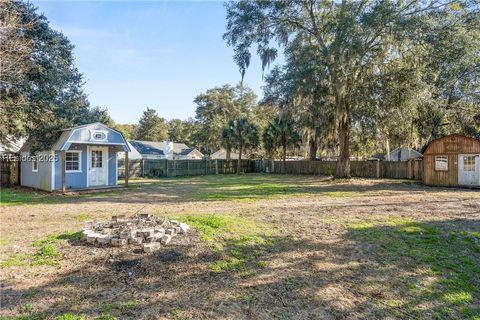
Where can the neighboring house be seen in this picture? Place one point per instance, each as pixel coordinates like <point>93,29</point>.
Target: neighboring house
<point>222,154</point>
<point>189,153</point>
<point>453,160</point>
<point>399,154</point>
<point>12,145</point>
<point>164,150</point>
<point>132,155</point>
<point>82,157</point>
<point>378,156</point>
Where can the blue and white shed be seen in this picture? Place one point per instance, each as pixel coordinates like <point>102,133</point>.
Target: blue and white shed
<point>84,157</point>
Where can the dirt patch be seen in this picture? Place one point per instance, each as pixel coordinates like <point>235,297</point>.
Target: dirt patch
<point>349,250</point>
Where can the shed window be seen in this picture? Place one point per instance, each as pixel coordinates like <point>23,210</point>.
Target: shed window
<point>441,163</point>
<point>97,159</point>
<point>469,163</point>
<point>34,164</point>
<point>72,161</point>
<point>98,135</point>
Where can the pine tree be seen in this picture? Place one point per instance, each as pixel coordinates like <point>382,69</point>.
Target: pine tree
<point>151,127</point>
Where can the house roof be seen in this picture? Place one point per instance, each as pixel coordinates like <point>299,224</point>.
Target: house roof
<point>147,147</point>
<point>157,147</point>
<point>222,153</point>
<point>65,139</point>
<point>394,153</point>
<point>11,145</point>
<point>379,156</point>
<point>185,152</point>
<point>430,145</point>
<point>412,152</point>
<point>133,154</point>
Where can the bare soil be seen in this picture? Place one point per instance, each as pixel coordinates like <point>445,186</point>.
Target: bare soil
<point>317,268</point>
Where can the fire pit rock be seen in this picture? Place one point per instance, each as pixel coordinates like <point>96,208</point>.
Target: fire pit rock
<point>144,229</point>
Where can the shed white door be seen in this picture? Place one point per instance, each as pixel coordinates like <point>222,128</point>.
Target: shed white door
<point>97,166</point>
<point>469,169</point>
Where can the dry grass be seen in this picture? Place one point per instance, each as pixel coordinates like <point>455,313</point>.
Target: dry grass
<point>265,247</point>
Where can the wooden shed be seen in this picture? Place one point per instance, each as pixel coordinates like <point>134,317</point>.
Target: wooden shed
<point>83,157</point>
<point>453,160</point>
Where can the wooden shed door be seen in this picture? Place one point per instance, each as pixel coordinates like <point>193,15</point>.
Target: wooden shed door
<point>97,166</point>
<point>469,169</point>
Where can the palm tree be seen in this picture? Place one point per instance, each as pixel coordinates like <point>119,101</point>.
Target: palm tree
<point>227,141</point>
<point>281,132</point>
<point>269,138</point>
<point>241,135</point>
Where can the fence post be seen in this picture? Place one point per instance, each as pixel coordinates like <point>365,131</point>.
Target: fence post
<point>14,175</point>
<point>216,166</point>
<point>143,168</point>
<point>19,168</point>
<point>188,168</point>
<point>166,167</point>
<point>416,169</point>
<point>206,166</point>
<point>126,169</point>
<point>377,169</point>
<point>410,169</point>
<point>62,164</point>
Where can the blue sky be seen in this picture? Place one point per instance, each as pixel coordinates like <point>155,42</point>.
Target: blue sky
<point>160,55</point>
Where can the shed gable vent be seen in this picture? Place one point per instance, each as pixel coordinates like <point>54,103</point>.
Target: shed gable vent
<point>98,135</point>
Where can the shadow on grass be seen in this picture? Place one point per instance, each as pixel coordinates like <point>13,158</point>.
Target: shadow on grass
<point>438,265</point>
<point>12,196</point>
<point>399,268</point>
<point>249,187</point>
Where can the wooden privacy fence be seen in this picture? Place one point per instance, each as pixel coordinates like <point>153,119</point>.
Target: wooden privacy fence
<point>412,169</point>
<point>9,170</point>
<point>172,168</point>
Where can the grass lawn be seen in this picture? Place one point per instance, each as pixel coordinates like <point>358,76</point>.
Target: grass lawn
<point>262,247</point>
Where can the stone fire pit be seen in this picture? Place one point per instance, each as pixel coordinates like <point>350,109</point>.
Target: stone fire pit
<point>143,229</point>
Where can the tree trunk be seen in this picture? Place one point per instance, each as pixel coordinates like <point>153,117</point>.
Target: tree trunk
<point>387,148</point>
<point>284,157</point>
<point>313,145</point>
<point>239,163</point>
<point>343,163</point>
<point>343,121</point>
<point>228,152</point>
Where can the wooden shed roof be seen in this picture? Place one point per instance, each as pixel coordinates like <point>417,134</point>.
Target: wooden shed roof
<point>454,143</point>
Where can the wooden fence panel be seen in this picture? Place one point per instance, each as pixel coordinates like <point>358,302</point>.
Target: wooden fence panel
<point>155,168</point>
<point>135,168</point>
<point>326,168</point>
<point>365,169</point>
<point>394,170</point>
<point>173,168</point>
<point>418,175</point>
<point>229,166</point>
<point>9,171</point>
<point>5,172</point>
<point>303,167</point>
